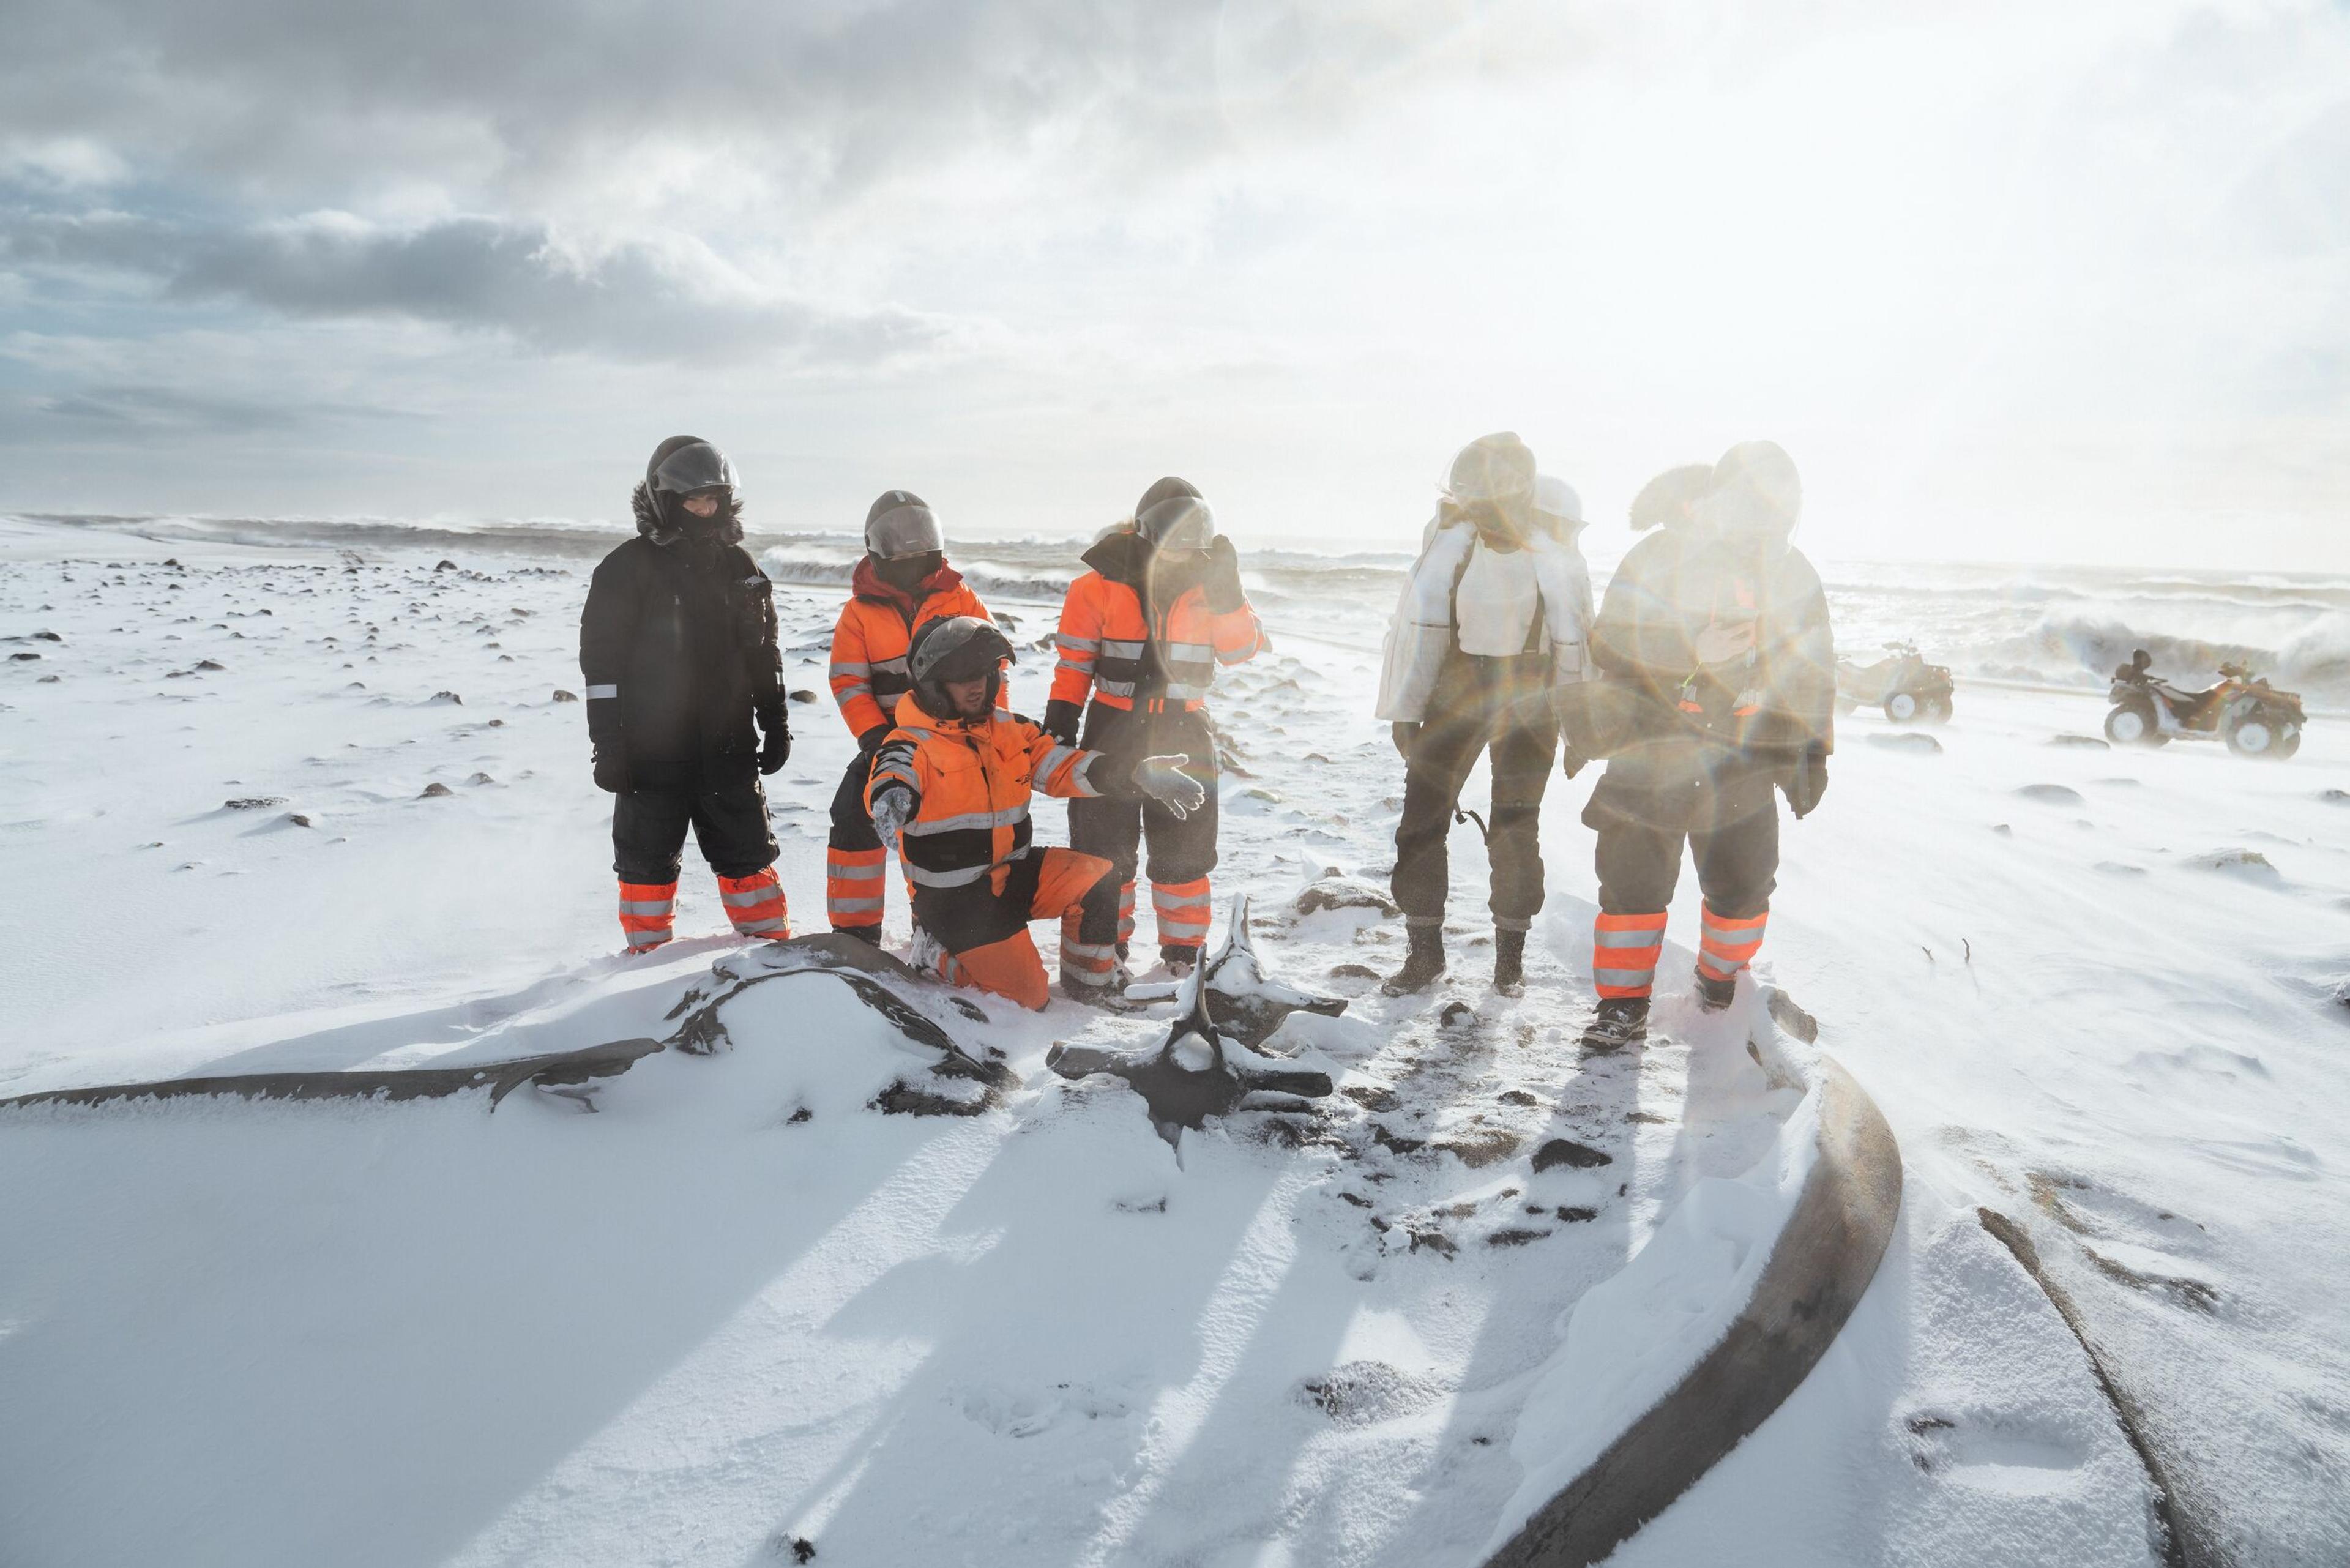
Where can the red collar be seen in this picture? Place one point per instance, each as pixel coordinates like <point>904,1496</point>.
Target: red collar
<point>866,582</point>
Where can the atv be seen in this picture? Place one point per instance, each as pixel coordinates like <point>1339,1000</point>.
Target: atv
<point>2254,718</point>
<point>1910,690</point>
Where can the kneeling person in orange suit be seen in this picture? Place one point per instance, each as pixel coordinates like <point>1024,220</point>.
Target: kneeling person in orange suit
<point>949,794</point>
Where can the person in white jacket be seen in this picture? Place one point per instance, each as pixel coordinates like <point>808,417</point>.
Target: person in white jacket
<point>1494,617</point>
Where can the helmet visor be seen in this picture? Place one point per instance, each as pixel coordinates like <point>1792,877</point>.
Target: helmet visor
<point>1176,523</point>
<point>903,530</point>
<point>692,468</point>
<point>962,648</point>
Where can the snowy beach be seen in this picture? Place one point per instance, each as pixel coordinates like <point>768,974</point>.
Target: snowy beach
<point>282,796</point>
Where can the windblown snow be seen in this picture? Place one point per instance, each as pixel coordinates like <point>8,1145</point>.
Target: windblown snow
<point>271,801</point>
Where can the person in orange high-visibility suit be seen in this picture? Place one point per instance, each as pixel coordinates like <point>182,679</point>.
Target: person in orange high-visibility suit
<point>949,794</point>
<point>903,585</point>
<point>1144,631</point>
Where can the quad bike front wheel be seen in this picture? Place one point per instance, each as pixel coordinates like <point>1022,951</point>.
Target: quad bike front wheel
<point>2133,724</point>
<point>2256,734</point>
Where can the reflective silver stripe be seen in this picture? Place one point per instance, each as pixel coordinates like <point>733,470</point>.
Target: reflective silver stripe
<point>970,819</point>
<point>1075,668</point>
<point>1732,936</point>
<point>1623,976</point>
<point>1053,761</point>
<point>1159,900</point>
<point>1239,655</point>
<point>1190,652</point>
<point>760,927</point>
<point>891,666</point>
<point>751,896</point>
<point>602,693</point>
<point>851,906</point>
<point>1112,648</point>
<point>894,770</point>
<point>1627,938</point>
<point>661,907</point>
<point>967,875</point>
<point>1115,688</point>
<point>1079,644</point>
<point>1083,775</point>
<point>854,688</point>
<point>1184,694</point>
<point>857,873</point>
<point>962,878</point>
<point>852,669</point>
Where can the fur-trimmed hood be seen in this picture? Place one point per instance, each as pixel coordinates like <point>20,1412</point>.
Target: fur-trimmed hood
<point>726,528</point>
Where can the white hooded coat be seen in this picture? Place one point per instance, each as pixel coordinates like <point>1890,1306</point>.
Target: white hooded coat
<point>1425,630</point>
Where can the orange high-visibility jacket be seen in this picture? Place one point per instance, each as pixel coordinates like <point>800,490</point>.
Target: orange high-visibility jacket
<point>1131,660</point>
<point>971,779</point>
<point>874,629</point>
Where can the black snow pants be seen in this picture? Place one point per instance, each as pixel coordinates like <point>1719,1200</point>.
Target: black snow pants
<point>1503,705</point>
<point>1716,800</point>
<point>1182,850</point>
<point>728,815</point>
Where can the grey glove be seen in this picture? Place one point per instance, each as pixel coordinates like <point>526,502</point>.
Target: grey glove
<point>1164,781</point>
<point>892,808</point>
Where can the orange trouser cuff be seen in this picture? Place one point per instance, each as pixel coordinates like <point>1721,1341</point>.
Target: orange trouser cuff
<point>647,913</point>
<point>755,904</point>
<point>853,884</point>
<point>1624,952</point>
<point>1009,968</point>
<point>1182,911</point>
<point>1727,946</point>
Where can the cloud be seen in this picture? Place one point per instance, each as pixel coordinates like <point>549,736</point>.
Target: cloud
<point>166,413</point>
<point>638,299</point>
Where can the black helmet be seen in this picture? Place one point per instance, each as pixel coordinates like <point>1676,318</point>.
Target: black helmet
<point>688,465</point>
<point>684,466</point>
<point>955,648</point>
<point>1173,517</point>
<point>902,525</point>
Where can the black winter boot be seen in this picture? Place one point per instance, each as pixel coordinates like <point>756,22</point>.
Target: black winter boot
<point>1712,994</point>
<point>1621,1021</point>
<point>1510,963</point>
<point>1421,965</point>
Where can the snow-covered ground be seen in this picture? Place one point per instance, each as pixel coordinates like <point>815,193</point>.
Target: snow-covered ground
<point>2095,990</point>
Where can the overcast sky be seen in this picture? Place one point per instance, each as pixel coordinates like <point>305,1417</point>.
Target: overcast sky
<point>2013,281</point>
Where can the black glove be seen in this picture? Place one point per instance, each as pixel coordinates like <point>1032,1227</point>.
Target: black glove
<point>1572,762</point>
<point>1807,780</point>
<point>1221,582</point>
<point>870,741</point>
<point>611,767</point>
<point>1405,733</point>
<point>776,749</point>
<point>1061,721</point>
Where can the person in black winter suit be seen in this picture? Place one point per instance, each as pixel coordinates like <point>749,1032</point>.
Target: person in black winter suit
<point>677,644</point>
